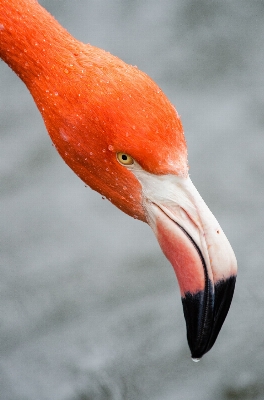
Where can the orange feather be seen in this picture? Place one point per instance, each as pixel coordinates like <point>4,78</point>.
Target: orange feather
<point>93,104</point>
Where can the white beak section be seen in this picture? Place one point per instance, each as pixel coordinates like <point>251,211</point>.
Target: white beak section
<point>169,199</point>
<point>197,248</point>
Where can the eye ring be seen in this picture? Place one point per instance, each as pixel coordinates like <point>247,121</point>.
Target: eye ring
<point>124,159</point>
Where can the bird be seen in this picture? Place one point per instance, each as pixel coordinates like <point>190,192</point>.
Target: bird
<point>120,134</point>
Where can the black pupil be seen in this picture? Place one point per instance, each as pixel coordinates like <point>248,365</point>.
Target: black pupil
<point>124,157</point>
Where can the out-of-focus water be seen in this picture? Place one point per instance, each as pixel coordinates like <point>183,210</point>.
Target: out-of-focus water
<point>89,307</point>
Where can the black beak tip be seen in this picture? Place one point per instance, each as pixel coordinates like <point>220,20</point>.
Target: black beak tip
<point>205,313</point>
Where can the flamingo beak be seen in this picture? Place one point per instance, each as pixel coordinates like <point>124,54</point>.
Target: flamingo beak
<point>203,260</point>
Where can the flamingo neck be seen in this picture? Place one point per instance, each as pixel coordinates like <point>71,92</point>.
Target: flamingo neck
<point>32,41</point>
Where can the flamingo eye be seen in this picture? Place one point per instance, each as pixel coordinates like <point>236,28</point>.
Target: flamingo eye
<point>124,158</point>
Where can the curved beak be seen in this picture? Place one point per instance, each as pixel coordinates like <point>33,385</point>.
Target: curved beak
<point>197,248</point>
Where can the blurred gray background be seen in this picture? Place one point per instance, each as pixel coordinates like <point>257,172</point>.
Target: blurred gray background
<point>89,307</point>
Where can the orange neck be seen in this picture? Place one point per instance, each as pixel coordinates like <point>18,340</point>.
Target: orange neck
<point>32,41</point>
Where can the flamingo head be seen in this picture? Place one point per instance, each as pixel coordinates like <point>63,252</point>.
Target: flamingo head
<point>120,134</point>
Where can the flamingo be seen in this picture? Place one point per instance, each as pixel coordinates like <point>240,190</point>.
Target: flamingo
<point>116,129</point>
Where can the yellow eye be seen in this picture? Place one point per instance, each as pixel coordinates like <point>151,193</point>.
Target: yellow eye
<point>124,158</point>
